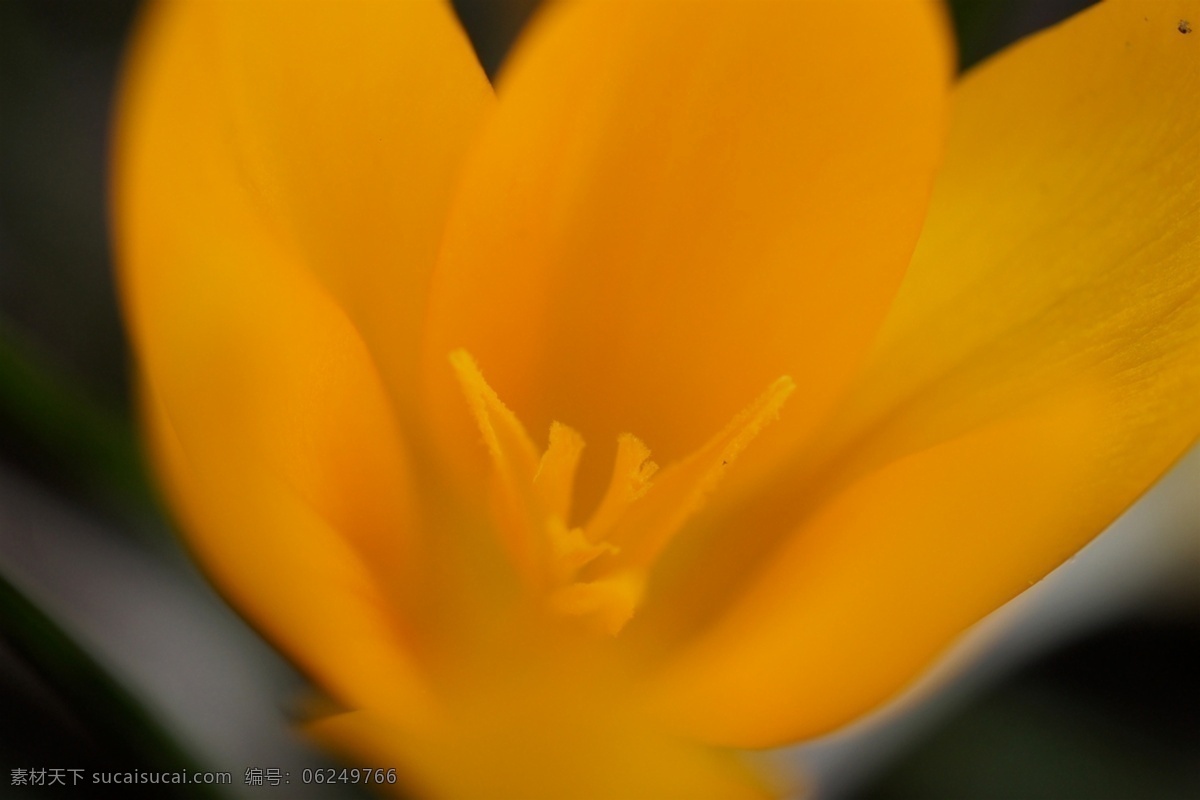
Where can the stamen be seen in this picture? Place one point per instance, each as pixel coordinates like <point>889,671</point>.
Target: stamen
<point>597,572</point>
<point>608,602</point>
<point>681,490</point>
<point>632,471</point>
<point>555,478</point>
<point>572,550</point>
<point>515,460</point>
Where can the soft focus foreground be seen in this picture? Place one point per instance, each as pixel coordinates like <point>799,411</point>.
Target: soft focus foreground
<point>635,241</point>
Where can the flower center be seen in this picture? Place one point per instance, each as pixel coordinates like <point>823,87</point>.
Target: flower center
<point>597,571</point>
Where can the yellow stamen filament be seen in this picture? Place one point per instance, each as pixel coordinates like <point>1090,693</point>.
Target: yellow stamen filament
<point>571,549</point>
<point>515,460</point>
<point>598,571</point>
<point>555,477</point>
<point>681,490</point>
<point>608,603</point>
<point>632,471</point>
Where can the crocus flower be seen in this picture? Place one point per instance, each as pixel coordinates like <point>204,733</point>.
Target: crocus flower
<point>858,354</point>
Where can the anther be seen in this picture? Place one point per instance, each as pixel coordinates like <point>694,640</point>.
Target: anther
<point>597,572</point>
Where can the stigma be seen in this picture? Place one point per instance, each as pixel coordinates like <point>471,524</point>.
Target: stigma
<point>596,572</point>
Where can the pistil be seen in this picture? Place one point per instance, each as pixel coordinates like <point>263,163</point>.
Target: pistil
<point>596,572</point>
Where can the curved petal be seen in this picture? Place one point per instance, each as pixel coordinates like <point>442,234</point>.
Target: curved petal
<point>531,723</point>
<point>348,122</point>
<point>266,381</point>
<point>1038,372</point>
<point>285,568</point>
<point>675,204</point>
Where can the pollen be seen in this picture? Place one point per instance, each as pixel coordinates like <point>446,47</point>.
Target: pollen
<point>596,572</point>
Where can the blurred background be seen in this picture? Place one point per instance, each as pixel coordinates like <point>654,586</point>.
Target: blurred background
<point>115,654</point>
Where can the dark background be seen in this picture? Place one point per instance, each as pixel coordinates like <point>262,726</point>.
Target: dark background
<point>1113,714</point>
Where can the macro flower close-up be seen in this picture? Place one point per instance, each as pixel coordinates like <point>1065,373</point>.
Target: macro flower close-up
<point>682,393</point>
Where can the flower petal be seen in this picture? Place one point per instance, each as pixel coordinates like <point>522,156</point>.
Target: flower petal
<point>527,723</point>
<point>348,122</point>
<point>676,203</point>
<point>1038,372</point>
<point>286,568</point>
<point>267,383</point>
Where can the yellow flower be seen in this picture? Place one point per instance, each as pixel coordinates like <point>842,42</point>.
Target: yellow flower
<point>378,308</point>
